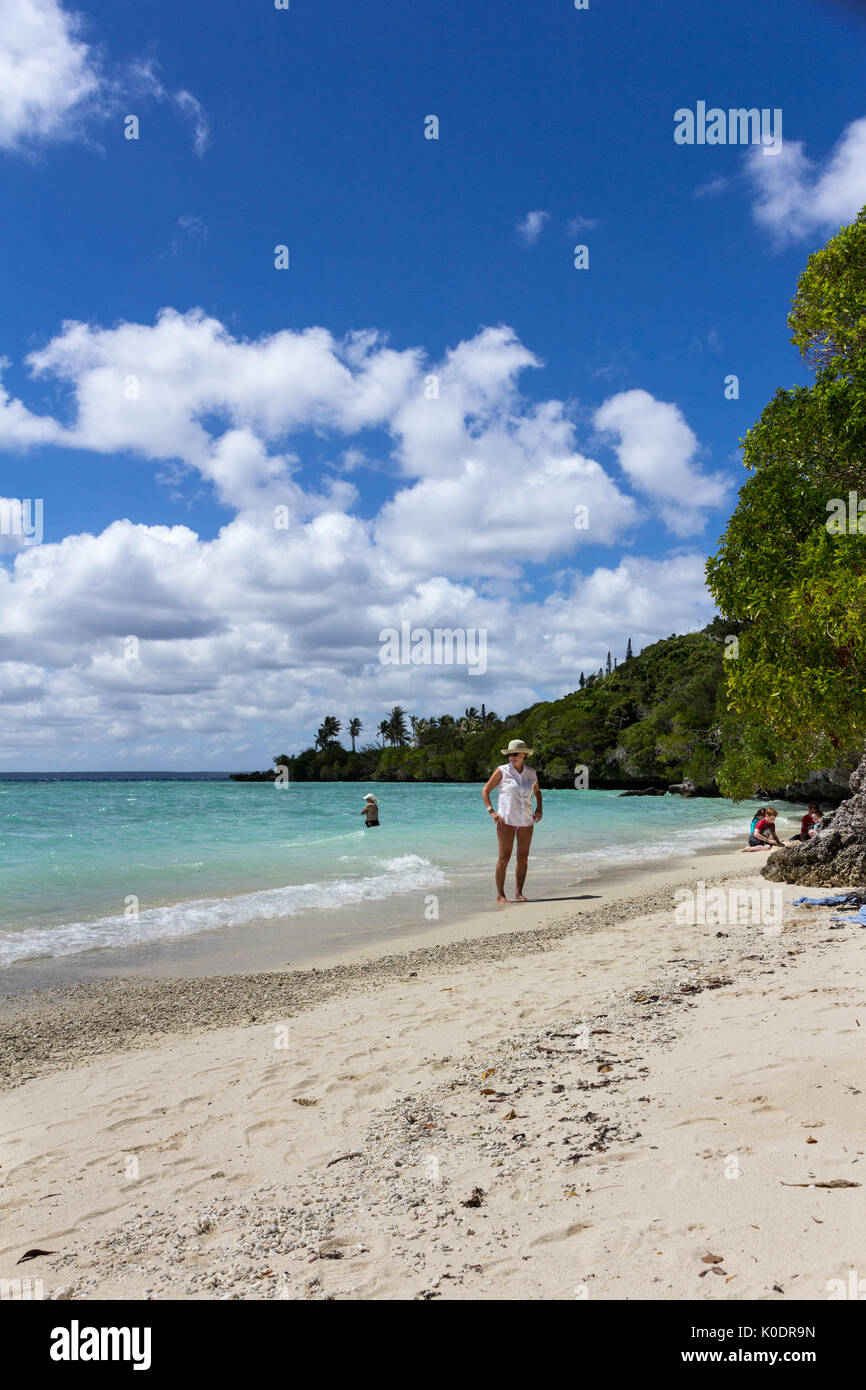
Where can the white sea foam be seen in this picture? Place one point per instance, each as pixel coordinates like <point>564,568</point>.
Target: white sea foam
<point>405,874</point>
<point>685,841</point>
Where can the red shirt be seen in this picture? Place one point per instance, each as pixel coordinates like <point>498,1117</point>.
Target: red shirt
<point>806,823</point>
<point>765,827</point>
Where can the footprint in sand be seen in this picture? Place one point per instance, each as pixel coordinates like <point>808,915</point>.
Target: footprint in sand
<point>551,1237</point>
<point>36,1163</point>
<point>133,1120</point>
<point>256,1134</point>
<point>102,1211</point>
<point>273,1089</point>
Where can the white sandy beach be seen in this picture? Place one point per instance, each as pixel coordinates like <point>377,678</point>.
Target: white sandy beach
<point>588,1109</point>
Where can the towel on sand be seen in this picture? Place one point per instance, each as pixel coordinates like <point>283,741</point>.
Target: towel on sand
<point>857,898</point>
<point>821,902</point>
<point>858,917</point>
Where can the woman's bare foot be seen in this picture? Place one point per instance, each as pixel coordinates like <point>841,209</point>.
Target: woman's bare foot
<point>502,900</point>
<point>519,898</point>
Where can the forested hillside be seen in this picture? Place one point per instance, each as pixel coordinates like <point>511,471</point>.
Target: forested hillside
<point>652,720</point>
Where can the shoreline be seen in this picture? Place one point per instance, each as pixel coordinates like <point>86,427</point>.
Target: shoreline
<point>580,1108</point>
<point>57,1026</point>
<point>322,937</point>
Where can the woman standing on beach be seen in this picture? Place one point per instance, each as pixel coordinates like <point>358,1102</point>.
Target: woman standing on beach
<point>514,815</point>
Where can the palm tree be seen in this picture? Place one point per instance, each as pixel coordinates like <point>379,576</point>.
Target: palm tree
<point>384,731</point>
<point>397,731</point>
<point>354,730</point>
<point>470,721</point>
<point>328,731</point>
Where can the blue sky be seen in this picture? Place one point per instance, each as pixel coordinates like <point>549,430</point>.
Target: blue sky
<point>306,127</point>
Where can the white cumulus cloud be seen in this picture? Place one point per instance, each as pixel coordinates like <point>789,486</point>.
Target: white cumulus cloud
<point>56,86</point>
<point>48,74</point>
<point>794,197</point>
<point>270,625</point>
<point>656,450</point>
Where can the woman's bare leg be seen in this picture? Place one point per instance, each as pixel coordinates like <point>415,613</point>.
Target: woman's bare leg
<point>505,835</point>
<point>524,839</point>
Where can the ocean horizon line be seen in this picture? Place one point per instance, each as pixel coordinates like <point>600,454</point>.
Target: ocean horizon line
<point>96,772</point>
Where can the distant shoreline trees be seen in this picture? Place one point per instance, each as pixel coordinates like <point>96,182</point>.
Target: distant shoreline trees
<point>653,720</point>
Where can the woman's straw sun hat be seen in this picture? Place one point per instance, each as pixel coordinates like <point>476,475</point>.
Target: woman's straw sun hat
<point>517,746</point>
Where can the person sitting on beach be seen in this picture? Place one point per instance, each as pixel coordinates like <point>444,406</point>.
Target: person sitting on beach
<point>371,810</point>
<point>514,814</point>
<point>809,824</point>
<point>764,836</point>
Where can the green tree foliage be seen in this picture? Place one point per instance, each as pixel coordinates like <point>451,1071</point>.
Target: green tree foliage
<point>397,731</point>
<point>794,586</point>
<point>328,731</point>
<point>828,314</point>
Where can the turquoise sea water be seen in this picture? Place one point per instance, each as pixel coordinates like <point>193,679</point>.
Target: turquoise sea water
<point>114,863</point>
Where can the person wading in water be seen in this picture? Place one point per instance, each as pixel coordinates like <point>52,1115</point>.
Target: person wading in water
<point>514,815</point>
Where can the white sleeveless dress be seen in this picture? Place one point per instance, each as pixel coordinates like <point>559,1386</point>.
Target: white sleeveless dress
<point>514,804</point>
